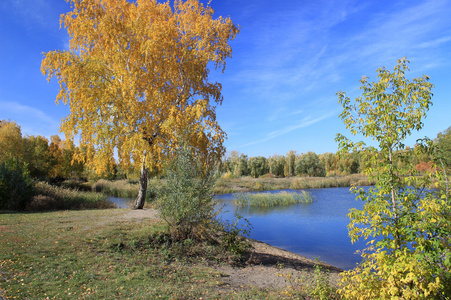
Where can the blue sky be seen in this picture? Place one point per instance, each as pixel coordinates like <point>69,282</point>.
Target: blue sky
<point>289,61</point>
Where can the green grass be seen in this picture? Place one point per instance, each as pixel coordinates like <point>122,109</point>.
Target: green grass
<point>272,199</point>
<point>94,254</point>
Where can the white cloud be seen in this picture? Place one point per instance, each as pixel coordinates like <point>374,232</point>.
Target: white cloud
<point>304,122</point>
<point>27,117</point>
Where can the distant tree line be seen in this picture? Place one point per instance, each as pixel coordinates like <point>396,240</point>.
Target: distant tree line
<point>311,164</point>
<point>59,159</point>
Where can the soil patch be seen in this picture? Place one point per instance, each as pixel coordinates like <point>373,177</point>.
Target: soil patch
<point>140,214</point>
<point>268,267</point>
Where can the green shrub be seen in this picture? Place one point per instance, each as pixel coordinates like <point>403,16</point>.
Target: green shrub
<point>186,201</point>
<point>16,185</point>
<point>234,236</point>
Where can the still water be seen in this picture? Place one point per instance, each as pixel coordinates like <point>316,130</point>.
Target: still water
<point>121,202</point>
<point>313,230</point>
<point>318,229</point>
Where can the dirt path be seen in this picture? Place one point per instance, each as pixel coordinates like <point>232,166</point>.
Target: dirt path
<point>266,266</point>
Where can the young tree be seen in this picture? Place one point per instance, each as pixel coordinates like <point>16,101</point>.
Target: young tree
<point>136,76</point>
<point>186,202</point>
<point>408,225</point>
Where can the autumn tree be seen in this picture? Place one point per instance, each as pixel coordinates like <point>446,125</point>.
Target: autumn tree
<point>407,226</point>
<point>309,164</point>
<point>329,162</point>
<point>71,168</point>
<point>258,166</point>
<point>444,144</point>
<point>36,154</point>
<point>136,77</point>
<point>277,165</point>
<point>16,184</point>
<point>290,163</point>
<point>10,141</point>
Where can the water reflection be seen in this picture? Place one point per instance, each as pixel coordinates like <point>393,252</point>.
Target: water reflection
<point>121,202</point>
<point>317,229</point>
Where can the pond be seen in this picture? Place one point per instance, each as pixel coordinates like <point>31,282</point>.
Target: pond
<point>318,229</point>
<point>121,202</point>
<point>315,230</point>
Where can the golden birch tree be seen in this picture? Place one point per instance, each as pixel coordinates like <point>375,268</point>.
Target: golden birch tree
<point>136,77</point>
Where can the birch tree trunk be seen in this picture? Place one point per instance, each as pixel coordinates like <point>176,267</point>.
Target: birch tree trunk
<point>141,199</point>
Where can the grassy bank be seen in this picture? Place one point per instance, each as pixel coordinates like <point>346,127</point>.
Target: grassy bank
<point>129,189</point>
<point>269,200</point>
<point>117,188</point>
<point>97,254</point>
<point>246,184</point>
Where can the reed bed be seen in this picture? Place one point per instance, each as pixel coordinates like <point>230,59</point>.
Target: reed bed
<point>117,188</point>
<point>75,184</point>
<point>272,199</point>
<point>125,188</point>
<point>50,197</point>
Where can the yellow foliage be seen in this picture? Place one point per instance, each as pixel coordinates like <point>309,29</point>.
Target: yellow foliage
<point>10,141</point>
<point>136,78</point>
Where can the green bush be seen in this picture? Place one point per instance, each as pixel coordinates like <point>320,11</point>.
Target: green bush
<point>16,185</point>
<point>234,237</point>
<point>186,201</point>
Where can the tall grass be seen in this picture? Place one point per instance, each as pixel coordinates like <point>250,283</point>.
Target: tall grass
<point>50,197</point>
<point>117,188</point>
<point>123,188</point>
<point>272,199</point>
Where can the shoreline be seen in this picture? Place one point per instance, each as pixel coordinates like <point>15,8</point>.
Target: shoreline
<point>270,267</point>
<point>265,266</point>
